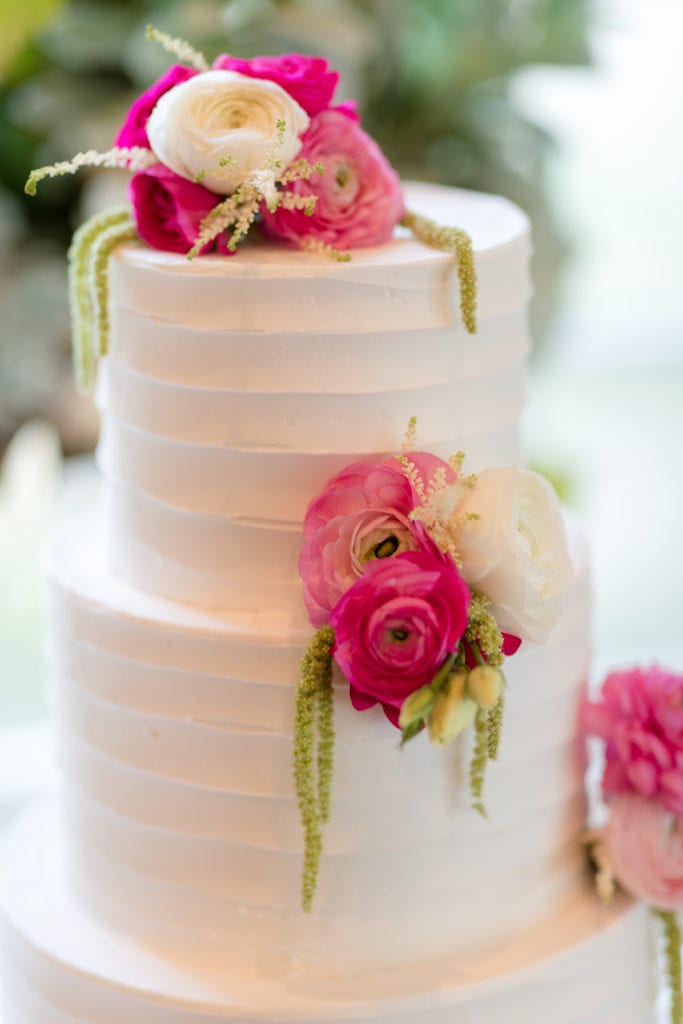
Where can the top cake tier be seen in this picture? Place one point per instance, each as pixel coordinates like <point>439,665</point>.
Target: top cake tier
<point>236,387</point>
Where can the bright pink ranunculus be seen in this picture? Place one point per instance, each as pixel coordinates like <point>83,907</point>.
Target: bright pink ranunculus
<point>309,80</point>
<point>133,132</point>
<point>359,202</point>
<point>396,626</point>
<point>168,209</point>
<point>362,513</point>
<point>640,718</point>
<point>644,846</point>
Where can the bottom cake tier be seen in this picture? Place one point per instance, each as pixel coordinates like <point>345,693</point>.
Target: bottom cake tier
<point>175,736</point>
<point>587,964</point>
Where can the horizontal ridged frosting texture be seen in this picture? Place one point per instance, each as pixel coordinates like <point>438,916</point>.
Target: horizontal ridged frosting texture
<point>235,388</point>
<point>585,964</point>
<point>175,732</point>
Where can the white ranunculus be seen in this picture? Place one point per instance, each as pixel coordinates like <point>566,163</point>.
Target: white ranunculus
<point>516,551</point>
<point>222,115</point>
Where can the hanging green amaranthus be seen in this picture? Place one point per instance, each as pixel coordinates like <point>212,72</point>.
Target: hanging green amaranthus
<point>314,752</point>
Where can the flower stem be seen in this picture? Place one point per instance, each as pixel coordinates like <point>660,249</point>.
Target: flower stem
<point>441,677</point>
<point>476,654</point>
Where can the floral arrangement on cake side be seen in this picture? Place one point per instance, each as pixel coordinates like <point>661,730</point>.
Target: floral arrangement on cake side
<point>218,150</point>
<point>638,716</point>
<point>420,581</point>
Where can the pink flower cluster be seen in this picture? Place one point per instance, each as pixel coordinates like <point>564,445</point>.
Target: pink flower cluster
<point>397,603</point>
<point>640,718</point>
<point>363,509</point>
<point>359,198</point>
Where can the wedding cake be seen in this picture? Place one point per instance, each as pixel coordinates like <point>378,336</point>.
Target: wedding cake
<point>162,884</point>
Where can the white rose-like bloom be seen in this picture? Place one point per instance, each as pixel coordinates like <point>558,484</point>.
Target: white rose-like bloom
<point>224,115</point>
<point>516,551</point>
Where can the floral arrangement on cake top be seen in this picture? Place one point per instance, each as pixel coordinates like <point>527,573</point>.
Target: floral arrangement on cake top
<point>420,581</point>
<point>218,150</point>
<point>639,717</point>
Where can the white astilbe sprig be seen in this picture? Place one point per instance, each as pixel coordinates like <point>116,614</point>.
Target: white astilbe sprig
<point>134,158</point>
<point>438,510</point>
<point>179,48</point>
<point>410,438</point>
<point>237,212</point>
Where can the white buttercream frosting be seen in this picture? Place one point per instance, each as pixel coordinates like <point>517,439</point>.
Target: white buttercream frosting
<point>168,890</point>
<point>235,388</point>
<point>175,729</point>
<point>585,964</point>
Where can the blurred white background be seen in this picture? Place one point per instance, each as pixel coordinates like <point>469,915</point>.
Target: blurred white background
<point>606,398</point>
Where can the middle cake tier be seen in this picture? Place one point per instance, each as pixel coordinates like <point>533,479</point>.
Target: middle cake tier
<point>233,390</point>
<point>175,732</point>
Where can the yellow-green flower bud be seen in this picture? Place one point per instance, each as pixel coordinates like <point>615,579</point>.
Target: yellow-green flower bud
<point>416,707</point>
<point>453,711</point>
<point>485,685</point>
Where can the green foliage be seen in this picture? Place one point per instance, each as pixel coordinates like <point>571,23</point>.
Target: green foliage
<point>18,19</point>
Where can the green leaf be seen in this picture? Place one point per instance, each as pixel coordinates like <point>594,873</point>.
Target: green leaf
<point>410,732</point>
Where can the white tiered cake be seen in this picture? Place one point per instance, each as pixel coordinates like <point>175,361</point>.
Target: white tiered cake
<point>166,889</point>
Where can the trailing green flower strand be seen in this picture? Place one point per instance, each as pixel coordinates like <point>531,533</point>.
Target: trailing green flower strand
<point>479,760</point>
<point>495,727</point>
<point>672,953</point>
<point>458,242</point>
<point>81,287</point>
<point>314,752</point>
<point>103,247</point>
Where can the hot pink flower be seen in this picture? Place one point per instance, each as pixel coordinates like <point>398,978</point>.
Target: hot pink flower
<point>644,845</point>
<point>640,718</point>
<point>359,194</point>
<point>134,129</point>
<point>362,514</point>
<point>396,626</point>
<point>168,209</point>
<point>308,80</point>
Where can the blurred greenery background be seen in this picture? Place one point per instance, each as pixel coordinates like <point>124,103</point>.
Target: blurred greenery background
<point>432,77</point>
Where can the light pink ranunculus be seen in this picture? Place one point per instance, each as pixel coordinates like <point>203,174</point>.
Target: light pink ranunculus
<point>640,717</point>
<point>362,514</point>
<point>359,202</point>
<point>396,626</point>
<point>309,80</point>
<point>644,847</point>
<point>133,132</point>
<point>168,209</point>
